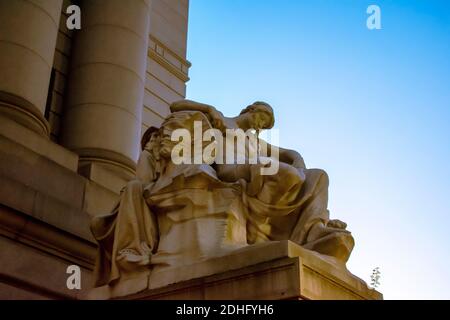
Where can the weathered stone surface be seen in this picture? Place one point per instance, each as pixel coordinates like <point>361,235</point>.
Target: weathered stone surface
<point>28,139</point>
<point>42,274</point>
<point>46,193</point>
<point>276,270</point>
<point>173,217</point>
<point>186,227</point>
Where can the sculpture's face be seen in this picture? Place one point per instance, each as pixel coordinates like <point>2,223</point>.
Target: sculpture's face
<point>259,120</point>
<point>166,146</point>
<point>153,142</point>
<point>154,139</point>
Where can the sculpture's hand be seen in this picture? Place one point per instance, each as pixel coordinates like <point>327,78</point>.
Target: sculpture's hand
<point>291,157</point>
<point>298,163</point>
<point>338,224</point>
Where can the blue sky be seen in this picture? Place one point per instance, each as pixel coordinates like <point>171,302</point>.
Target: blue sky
<point>371,107</point>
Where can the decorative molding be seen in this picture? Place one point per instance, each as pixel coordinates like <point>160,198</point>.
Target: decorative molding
<point>175,64</point>
<point>47,238</point>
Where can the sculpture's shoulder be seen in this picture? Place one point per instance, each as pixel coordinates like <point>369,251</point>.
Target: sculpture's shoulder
<point>183,115</point>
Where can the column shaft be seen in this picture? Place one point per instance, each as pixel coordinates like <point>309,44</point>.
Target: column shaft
<point>28,32</point>
<point>102,120</point>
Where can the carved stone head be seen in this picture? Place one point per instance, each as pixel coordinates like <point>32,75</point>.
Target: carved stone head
<point>259,115</point>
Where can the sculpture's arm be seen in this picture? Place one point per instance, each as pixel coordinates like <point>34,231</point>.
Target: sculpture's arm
<point>184,105</point>
<point>292,157</point>
<point>216,117</point>
<point>145,171</point>
<point>288,156</point>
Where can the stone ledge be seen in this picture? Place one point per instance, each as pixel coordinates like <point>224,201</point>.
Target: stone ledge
<point>43,207</point>
<point>274,270</point>
<point>38,144</point>
<point>34,271</point>
<point>103,176</point>
<point>35,184</point>
<point>37,234</point>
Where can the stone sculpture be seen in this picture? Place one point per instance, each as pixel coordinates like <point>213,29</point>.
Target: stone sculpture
<point>178,214</point>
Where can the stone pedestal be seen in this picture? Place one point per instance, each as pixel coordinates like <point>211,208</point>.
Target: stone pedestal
<point>275,270</point>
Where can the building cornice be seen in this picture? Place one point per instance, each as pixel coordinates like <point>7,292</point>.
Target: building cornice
<point>172,62</point>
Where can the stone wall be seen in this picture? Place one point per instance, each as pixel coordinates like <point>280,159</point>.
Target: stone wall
<point>48,188</point>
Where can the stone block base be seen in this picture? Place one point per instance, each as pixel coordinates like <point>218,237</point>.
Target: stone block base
<point>275,270</point>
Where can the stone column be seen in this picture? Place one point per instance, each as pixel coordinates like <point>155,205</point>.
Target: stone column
<point>28,31</point>
<point>102,120</point>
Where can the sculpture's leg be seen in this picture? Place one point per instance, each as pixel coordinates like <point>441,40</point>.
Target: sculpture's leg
<point>271,199</point>
<point>283,188</point>
<point>126,237</point>
<point>102,228</point>
<point>315,206</point>
<point>313,228</point>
